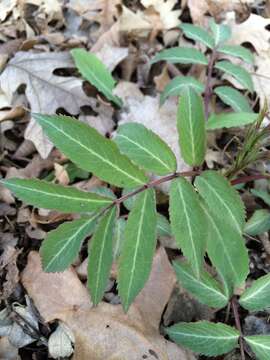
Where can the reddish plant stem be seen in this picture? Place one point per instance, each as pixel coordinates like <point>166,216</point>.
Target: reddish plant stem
<point>208,86</point>
<point>156,182</point>
<point>238,326</point>
<point>175,175</point>
<point>245,179</point>
<point>149,185</point>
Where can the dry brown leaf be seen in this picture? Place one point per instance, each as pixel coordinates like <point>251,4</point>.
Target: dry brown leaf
<point>111,56</point>
<point>254,31</point>
<point>101,11</point>
<point>162,80</point>
<point>216,8</point>
<point>45,91</point>
<point>169,18</point>
<point>158,16</point>
<point>106,332</point>
<point>53,293</point>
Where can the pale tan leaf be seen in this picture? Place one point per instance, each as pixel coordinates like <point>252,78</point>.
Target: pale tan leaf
<point>54,293</point>
<point>169,18</point>
<point>106,332</point>
<point>254,31</point>
<point>45,91</point>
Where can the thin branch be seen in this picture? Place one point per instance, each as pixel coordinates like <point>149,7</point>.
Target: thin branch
<point>149,185</point>
<point>238,326</point>
<point>245,179</point>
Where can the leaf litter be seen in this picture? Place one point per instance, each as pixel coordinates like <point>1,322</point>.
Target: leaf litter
<point>37,74</point>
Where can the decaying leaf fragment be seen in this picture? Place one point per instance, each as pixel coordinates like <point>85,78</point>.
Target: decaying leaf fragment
<point>45,91</point>
<point>106,332</point>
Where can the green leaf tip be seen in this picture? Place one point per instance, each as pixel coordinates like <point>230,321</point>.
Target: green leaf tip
<point>93,70</point>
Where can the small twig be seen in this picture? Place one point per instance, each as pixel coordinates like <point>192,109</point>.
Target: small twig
<point>238,326</point>
<point>245,179</point>
<point>146,186</point>
<point>208,86</point>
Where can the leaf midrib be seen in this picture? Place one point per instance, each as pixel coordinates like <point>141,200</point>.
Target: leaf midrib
<point>93,152</point>
<point>231,337</point>
<point>68,242</point>
<point>190,125</point>
<point>137,246</point>
<point>221,242</point>
<point>189,230</point>
<point>223,202</point>
<point>100,262</point>
<point>256,292</point>
<point>203,284</point>
<point>61,196</point>
<point>145,150</point>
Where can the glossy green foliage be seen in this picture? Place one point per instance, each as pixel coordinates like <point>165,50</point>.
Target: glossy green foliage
<point>93,70</point>
<point>188,222</point>
<point>181,55</point>
<point>204,337</point>
<point>238,72</point>
<point>61,246</point>
<point>197,33</point>
<point>178,85</point>
<point>145,148</point>
<point>257,297</point>
<point>258,223</point>
<point>138,248</point>
<point>228,120</point>
<point>233,98</point>
<point>101,256</point>
<point>260,345</point>
<point>191,127</point>
<point>90,150</point>
<point>205,289</point>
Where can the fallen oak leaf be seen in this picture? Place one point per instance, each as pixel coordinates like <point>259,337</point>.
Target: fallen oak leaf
<point>45,91</point>
<point>54,293</point>
<point>106,332</point>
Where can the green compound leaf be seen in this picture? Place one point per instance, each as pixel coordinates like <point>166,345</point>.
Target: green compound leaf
<point>206,289</point>
<point>93,70</point>
<point>163,226</point>
<point>138,248</point>
<point>145,148</point>
<point>226,248</point>
<point>191,127</point>
<point>219,194</point>
<point>118,237</point>
<point>260,344</point>
<point>61,246</point>
<point>238,51</point>
<point>188,222</point>
<point>230,120</point>
<point>178,84</point>
<point>221,33</point>
<point>239,73</point>
<point>101,256</point>
<point>204,337</point>
<point>233,98</point>
<point>257,297</point>
<point>57,197</point>
<point>264,195</point>
<point>258,223</point>
<point>197,33</point>
<point>181,55</point>
<point>91,151</point>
